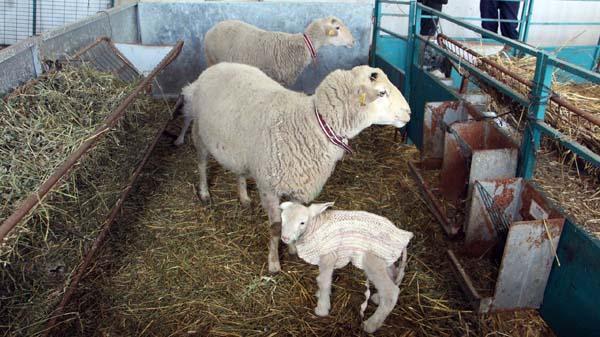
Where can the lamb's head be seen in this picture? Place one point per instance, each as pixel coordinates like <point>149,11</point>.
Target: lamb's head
<point>358,98</point>
<point>295,218</point>
<point>331,31</point>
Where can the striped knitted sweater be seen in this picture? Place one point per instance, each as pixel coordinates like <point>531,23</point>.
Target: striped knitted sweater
<point>349,235</point>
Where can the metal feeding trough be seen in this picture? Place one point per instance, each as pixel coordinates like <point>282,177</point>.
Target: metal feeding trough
<point>511,218</point>
<point>462,146</point>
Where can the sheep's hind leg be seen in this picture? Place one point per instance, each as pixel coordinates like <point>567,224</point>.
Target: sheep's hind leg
<point>387,291</point>
<point>187,120</point>
<point>326,264</point>
<point>243,192</point>
<point>270,203</point>
<point>202,167</point>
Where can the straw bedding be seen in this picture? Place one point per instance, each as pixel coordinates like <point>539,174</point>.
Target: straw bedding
<point>175,267</point>
<point>41,125</point>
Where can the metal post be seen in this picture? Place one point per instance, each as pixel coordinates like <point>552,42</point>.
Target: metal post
<point>414,25</point>
<point>596,61</point>
<point>527,21</point>
<point>523,19</point>
<point>376,18</point>
<point>539,96</point>
<point>34,25</point>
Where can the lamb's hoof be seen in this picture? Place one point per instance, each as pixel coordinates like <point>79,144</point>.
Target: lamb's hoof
<point>246,202</point>
<point>369,327</point>
<point>274,267</point>
<point>375,298</point>
<point>321,312</point>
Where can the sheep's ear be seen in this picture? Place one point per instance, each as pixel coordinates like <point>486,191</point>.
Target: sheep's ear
<point>316,209</point>
<point>285,205</point>
<point>366,95</point>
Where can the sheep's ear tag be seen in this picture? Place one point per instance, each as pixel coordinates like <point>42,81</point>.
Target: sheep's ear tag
<point>331,32</point>
<point>362,98</point>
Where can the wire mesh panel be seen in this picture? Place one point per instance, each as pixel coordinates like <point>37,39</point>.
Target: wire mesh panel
<point>16,20</point>
<point>20,19</point>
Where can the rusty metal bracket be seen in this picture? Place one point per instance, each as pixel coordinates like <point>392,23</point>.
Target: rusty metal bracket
<point>431,201</point>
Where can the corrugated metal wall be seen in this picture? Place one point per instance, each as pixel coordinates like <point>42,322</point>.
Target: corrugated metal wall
<point>17,20</point>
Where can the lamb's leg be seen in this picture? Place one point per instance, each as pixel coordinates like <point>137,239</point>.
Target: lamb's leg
<point>377,273</point>
<point>243,191</point>
<point>202,167</point>
<point>270,203</point>
<point>392,271</point>
<point>187,120</point>
<point>326,264</point>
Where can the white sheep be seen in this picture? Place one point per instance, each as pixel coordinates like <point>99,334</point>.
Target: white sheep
<point>281,56</point>
<point>287,141</point>
<point>332,239</point>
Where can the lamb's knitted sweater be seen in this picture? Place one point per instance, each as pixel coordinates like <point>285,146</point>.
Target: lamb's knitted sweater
<point>349,235</point>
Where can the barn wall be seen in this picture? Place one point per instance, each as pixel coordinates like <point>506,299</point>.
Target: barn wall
<point>162,23</point>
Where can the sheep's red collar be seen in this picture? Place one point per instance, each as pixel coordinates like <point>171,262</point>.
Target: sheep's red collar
<point>310,46</point>
<point>331,135</point>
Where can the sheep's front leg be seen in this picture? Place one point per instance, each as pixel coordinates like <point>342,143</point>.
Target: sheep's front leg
<point>270,203</point>
<point>326,264</point>
<point>387,291</point>
<point>243,192</point>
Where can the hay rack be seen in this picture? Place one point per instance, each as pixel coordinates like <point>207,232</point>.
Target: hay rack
<point>130,63</point>
<point>504,77</point>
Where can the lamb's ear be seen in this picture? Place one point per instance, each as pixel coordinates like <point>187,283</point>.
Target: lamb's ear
<point>316,209</point>
<point>285,205</point>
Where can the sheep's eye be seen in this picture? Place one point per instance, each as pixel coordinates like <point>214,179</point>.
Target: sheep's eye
<point>337,28</point>
<point>382,93</point>
<point>302,223</point>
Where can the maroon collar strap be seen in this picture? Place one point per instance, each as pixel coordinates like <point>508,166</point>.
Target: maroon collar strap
<point>310,46</point>
<point>331,135</point>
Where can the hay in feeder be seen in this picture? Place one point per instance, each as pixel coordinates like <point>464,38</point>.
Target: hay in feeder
<point>572,183</point>
<point>585,96</point>
<point>175,267</point>
<point>41,125</point>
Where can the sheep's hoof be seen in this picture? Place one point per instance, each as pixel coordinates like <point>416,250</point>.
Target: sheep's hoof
<point>274,267</point>
<point>204,197</point>
<point>375,298</point>
<point>246,202</point>
<point>321,312</point>
<point>369,327</point>
<point>179,141</point>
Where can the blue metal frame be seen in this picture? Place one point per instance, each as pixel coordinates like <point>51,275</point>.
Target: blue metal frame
<point>570,301</point>
<point>538,98</point>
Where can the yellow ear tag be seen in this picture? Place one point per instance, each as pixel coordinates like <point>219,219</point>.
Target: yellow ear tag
<point>331,32</point>
<point>362,98</point>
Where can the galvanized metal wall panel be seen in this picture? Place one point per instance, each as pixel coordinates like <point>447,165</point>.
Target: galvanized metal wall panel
<point>165,23</point>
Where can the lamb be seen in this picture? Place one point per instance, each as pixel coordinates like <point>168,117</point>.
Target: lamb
<point>281,56</point>
<point>288,142</point>
<point>332,239</point>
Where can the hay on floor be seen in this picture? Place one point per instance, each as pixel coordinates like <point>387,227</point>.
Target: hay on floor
<point>175,267</point>
<point>41,125</point>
